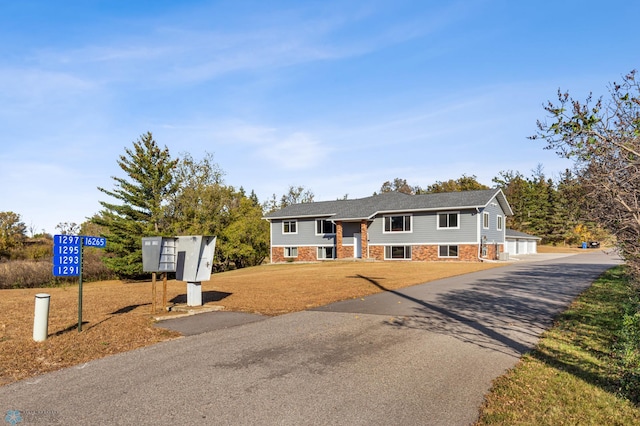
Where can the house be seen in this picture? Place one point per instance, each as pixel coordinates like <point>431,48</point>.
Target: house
<point>520,243</point>
<point>460,226</point>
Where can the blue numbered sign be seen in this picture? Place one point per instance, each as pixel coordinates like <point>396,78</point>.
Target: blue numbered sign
<point>99,242</point>
<point>66,255</point>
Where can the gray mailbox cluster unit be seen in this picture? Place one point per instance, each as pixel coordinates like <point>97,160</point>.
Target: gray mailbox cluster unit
<point>190,257</point>
<point>159,254</point>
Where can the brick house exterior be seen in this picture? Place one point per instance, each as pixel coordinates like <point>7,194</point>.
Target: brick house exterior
<point>457,226</point>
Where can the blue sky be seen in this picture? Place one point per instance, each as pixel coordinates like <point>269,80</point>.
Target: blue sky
<point>337,96</point>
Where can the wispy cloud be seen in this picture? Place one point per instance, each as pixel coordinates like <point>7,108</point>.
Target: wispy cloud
<point>269,147</point>
<point>297,151</point>
<point>168,52</point>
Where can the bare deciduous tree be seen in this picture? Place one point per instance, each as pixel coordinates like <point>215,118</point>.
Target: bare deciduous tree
<point>603,138</point>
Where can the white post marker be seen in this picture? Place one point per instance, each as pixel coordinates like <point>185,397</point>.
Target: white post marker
<point>41,317</point>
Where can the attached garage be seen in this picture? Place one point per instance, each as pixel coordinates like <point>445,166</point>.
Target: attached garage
<point>520,243</point>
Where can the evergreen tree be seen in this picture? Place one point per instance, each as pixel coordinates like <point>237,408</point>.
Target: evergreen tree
<point>538,203</point>
<point>566,211</point>
<point>515,186</point>
<point>142,198</point>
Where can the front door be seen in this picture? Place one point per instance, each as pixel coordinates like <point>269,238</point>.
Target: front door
<point>357,246</point>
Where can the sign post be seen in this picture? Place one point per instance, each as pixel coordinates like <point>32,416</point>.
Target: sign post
<point>67,260</point>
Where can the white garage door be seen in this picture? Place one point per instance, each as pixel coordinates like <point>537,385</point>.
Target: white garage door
<point>532,247</point>
<point>511,247</point>
<point>522,247</point>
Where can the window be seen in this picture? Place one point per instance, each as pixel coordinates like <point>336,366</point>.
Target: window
<point>499,223</point>
<point>291,252</point>
<point>447,251</point>
<point>326,253</point>
<point>325,227</point>
<point>289,227</point>
<point>397,252</point>
<point>397,223</point>
<point>448,220</point>
<point>485,220</point>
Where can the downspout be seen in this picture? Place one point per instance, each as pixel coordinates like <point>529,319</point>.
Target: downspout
<point>478,235</point>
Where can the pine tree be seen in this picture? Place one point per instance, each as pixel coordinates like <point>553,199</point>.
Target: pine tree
<point>143,197</point>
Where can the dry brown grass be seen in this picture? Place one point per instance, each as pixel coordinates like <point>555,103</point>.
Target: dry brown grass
<point>562,249</point>
<point>117,316</point>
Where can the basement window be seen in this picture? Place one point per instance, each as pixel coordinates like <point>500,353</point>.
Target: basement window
<point>291,252</point>
<point>326,253</point>
<point>448,251</point>
<point>397,253</point>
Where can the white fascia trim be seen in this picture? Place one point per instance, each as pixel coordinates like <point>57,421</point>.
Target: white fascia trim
<point>448,243</point>
<point>302,245</point>
<point>502,200</point>
<point>314,216</point>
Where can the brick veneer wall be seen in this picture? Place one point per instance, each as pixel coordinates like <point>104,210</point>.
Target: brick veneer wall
<point>305,254</point>
<point>365,238</point>
<point>346,252</point>
<point>466,253</point>
<point>493,250</point>
<point>339,248</point>
<point>376,252</point>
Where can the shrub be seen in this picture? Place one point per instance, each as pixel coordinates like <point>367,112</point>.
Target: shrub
<point>31,274</point>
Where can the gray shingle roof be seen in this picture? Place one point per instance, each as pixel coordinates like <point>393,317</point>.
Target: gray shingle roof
<point>366,208</point>
<point>510,233</point>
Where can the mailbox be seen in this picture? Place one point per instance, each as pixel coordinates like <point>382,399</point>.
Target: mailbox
<point>195,258</point>
<point>190,257</point>
<point>159,254</point>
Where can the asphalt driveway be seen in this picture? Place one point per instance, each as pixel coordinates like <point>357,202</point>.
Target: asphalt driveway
<point>418,356</point>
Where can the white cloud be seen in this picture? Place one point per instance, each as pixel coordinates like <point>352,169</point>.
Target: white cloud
<point>28,86</point>
<point>297,151</point>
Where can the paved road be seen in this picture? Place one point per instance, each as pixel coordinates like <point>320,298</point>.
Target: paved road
<point>425,355</point>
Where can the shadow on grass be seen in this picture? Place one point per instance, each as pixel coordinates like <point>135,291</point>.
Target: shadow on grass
<point>73,327</point>
<point>207,296</point>
<point>128,309</point>
<point>120,311</point>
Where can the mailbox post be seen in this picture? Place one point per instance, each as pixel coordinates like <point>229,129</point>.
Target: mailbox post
<point>159,255</point>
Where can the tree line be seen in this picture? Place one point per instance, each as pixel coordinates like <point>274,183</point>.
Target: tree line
<point>165,196</point>
<point>552,209</point>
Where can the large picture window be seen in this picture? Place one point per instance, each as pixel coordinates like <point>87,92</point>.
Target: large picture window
<point>289,227</point>
<point>325,227</point>
<point>397,252</point>
<point>448,251</point>
<point>400,223</point>
<point>448,220</point>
